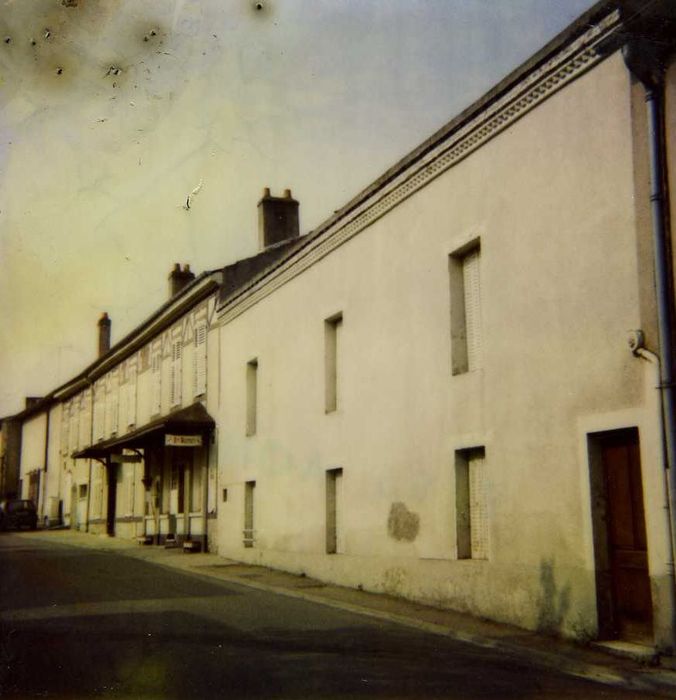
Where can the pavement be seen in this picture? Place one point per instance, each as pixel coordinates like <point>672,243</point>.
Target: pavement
<point>626,667</point>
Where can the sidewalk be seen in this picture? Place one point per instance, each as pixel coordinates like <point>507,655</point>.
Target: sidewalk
<point>566,657</point>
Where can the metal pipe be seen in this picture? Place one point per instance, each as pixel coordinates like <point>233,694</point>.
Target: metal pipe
<point>667,522</point>
<point>654,96</point>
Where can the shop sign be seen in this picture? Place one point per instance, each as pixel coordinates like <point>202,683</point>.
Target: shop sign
<point>183,440</point>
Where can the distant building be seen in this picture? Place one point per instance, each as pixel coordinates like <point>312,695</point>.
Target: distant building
<point>10,455</point>
<point>456,390</point>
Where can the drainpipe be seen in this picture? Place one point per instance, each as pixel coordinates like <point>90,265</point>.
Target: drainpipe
<point>648,64</point>
<point>44,484</point>
<point>636,340</point>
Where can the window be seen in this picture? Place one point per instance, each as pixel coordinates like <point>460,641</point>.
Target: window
<point>114,397</point>
<point>99,407</point>
<point>83,491</point>
<point>156,382</point>
<point>465,284</point>
<point>132,379</point>
<point>85,418</point>
<point>334,540</point>
<point>471,503</point>
<point>176,375</point>
<point>73,425</point>
<point>249,532</point>
<point>251,396</point>
<point>332,328</point>
<point>200,360</point>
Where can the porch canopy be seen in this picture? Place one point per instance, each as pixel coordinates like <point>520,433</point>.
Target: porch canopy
<point>190,421</point>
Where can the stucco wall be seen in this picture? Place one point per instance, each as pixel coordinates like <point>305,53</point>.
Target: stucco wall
<point>552,202</point>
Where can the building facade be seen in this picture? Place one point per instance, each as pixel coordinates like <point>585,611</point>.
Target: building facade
<point>435,397</point>
<point>455,390</point>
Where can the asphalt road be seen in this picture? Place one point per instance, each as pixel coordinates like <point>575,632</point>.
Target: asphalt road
<point>82,623</point>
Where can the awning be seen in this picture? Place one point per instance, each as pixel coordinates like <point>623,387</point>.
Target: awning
<point>192,420</point>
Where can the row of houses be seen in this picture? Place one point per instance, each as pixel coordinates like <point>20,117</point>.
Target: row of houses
<point>458,389</point>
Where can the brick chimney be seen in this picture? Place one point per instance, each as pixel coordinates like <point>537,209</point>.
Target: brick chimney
<point>104,334</point>
<point>277,219</point>
<point>178,279</point>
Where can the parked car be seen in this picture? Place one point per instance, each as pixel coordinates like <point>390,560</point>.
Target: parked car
<point>17,514</point>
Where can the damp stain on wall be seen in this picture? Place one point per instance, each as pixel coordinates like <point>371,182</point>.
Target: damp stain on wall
<point>402,524</point>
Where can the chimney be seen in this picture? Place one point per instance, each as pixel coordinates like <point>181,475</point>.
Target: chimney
<point>32,400</point>
<point>178,279</point>
<point>277,219</point>
<point>104,334</point>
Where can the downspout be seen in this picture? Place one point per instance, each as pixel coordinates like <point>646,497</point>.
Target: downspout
<point>636,340</point>
<point>44,484</point>
<point>648,65</point>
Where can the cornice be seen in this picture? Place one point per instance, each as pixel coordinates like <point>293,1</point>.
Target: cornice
<point>480,126</point>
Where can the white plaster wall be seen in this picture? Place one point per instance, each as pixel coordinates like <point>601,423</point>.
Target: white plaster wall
<point>551,199</point>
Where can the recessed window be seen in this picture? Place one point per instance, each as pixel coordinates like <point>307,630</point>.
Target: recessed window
<point>465,288</point>
<point>334,539</point>
<point>471,503</point>
<point>332,330</point>
<point>249,504</point>
<point>251,397</point>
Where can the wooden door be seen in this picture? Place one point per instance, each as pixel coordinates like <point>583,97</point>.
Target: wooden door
<point>627,546</point>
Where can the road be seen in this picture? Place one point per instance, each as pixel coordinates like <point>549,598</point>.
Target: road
<point>82,623</point>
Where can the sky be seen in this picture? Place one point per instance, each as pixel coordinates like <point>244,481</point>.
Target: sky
<point>112,111</point>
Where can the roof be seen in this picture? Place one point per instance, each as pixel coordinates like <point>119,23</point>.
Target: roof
<point>192,420</point>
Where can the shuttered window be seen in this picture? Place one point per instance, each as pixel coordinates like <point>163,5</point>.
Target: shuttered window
<point>478,508</point>
<point>65,417</point>
<point>176,376</point>
<point>99,404</point>
<point>465,287</point>
<point>115,401</point>
<point>123,404</point>
<point>200,360</point>
<point>112,403</point>
<point>472,292</point>
<point>73,426</point>
<point>471,501</point>
<point>85,418</point>
<point>249,506</point>
<point>131,393</point>
<point>156,383</point>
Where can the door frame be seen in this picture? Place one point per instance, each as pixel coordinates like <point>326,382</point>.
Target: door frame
<point>606,604</point>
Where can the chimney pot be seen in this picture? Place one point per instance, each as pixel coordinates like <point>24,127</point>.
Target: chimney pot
<point>32,400</point>
<point>277,219</point>
<point>178,279</point>
<point>104,324</point>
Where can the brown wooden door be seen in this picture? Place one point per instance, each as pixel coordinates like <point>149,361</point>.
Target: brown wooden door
<point>627,547</point>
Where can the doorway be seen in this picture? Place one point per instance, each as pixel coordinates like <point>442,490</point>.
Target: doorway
<point>624,600</point>
<point>112,474</point>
